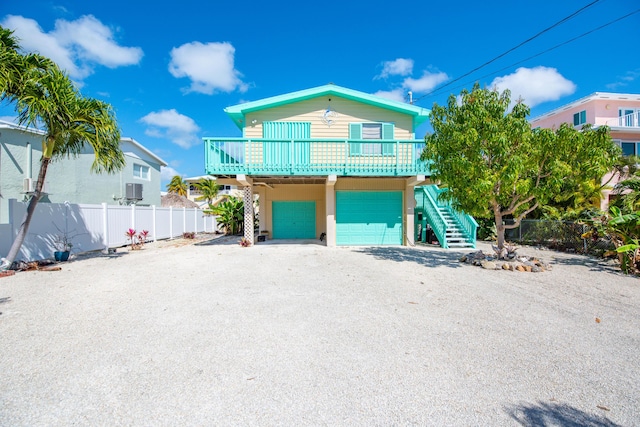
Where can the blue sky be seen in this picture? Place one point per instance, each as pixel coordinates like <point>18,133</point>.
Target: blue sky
<point>169,69</point>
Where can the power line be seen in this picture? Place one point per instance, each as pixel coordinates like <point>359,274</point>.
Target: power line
<point>563,20</point>
<point>437,91</point>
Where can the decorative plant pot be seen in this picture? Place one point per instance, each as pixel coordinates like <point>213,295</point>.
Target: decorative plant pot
<point>61,256</point>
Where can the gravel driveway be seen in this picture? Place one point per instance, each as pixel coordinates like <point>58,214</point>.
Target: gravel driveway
<point>296,335</point>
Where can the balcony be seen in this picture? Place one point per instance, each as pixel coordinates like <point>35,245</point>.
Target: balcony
<point>232,156</point>
<point>631,121</point>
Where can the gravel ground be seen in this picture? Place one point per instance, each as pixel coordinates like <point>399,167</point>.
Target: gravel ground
<point>300,334</point>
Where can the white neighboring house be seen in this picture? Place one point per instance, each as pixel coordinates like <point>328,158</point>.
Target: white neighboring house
<point>193,193</point>
<point>71,179</point>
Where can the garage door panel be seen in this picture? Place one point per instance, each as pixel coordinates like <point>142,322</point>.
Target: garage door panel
<point>294,219</point>
<point>369,218</point>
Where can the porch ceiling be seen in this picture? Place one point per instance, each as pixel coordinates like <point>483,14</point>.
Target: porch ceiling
<point>289,180</point>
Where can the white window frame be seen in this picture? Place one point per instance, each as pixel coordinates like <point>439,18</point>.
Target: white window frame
<point>143,172</point>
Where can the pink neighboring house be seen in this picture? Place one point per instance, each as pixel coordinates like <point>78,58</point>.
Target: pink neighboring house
<point>619,111</point>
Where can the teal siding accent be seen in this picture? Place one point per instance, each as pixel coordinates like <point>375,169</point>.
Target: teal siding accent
<point>387,130</point>
<point>355,132</point>
<point>279,148</point>
<point>294,219</point>
<point>369,217</point>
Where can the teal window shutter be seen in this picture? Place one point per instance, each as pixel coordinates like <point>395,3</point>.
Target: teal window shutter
<point>387,133</point>
<point>355,132</point>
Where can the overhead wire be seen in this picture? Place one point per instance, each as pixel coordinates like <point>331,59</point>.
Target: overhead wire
<point>438,90</point>
<point>563,20</point>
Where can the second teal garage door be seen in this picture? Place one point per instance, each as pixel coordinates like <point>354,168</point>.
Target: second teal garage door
<point>369,217</point>
<point>294,220</point>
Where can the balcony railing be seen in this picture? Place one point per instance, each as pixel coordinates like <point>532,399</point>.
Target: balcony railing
<point>627,121</point>
<point>229,156</point>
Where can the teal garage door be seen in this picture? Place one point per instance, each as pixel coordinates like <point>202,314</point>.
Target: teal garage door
<point>294,220</point>
<point>369,217</point>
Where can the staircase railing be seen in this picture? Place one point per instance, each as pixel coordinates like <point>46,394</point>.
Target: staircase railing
<point>434,217</point>
<point>466,222</point>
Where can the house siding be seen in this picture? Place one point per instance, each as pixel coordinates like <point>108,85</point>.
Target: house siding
<point>312,110</point>
<point>69,179</point>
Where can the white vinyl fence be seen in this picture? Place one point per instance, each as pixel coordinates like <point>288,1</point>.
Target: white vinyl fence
<point>95,227</point>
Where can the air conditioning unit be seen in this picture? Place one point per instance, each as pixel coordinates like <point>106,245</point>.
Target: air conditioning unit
<point>134,191</point>
<point>27,185</point>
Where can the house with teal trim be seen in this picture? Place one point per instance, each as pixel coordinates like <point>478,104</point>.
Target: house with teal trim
<point>70,179</point>
<point>334,162</point>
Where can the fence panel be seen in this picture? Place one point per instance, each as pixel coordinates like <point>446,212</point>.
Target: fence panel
<point>560,235</point>
<point>163,228</point>
<point>118,222</point>
<point>85,226</point>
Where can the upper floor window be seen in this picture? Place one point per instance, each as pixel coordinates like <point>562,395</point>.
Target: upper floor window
<point>372,131</point>
<point>141,171</point>
<point>580,118</point>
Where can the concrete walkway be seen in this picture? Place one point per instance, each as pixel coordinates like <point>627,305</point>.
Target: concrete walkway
<point>217,334</point>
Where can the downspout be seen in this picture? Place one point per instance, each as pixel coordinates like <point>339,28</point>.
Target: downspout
<point>29,166</point>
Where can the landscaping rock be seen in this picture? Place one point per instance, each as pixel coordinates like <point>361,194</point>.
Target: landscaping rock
<point>488,265</point>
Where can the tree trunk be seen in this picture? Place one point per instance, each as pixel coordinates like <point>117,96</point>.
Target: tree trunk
<point>31,208</point>
<point>499,226</point>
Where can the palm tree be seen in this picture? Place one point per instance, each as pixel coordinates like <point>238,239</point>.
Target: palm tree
<point>44,95</point>
<point>208,190</point>
<point>177,185</point>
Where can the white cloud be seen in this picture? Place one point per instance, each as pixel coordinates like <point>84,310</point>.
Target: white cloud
<point>624,80</point>
<point>394,94</point>
<point>167,172</point>
<point>427,82</point>
<point>180,129</point>
<point>76,46</point>
<point>397,67</point>
<point>535,85</point>
<point>210,67</point>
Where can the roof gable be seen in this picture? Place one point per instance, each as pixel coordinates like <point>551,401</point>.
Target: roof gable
<point>238,112</point>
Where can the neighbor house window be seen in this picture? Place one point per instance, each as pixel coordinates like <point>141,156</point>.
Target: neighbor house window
<point>141,171</point>
<point>580,118</point>
<point>629,148</point>
<point>371,131</point>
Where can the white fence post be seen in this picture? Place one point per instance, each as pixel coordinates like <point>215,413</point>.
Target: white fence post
<point>170,222</point>
<point>105,227</point>
<point>133,216</point>
<point>153,212</point>
<point>195,219</point>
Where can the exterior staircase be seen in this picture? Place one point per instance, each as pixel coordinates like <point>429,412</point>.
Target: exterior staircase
<point>452,229</point>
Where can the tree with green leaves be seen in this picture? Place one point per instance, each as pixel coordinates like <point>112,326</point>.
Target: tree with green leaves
<point>208,189</point>
<point>230,215</point>
<point>45,97</point>
<point>177,185</point>
<point>496,166</point>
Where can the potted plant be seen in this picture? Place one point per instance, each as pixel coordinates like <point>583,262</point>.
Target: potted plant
<point>63,247</point>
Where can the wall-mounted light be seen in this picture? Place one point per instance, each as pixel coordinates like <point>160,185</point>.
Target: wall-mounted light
<point>254,121</point>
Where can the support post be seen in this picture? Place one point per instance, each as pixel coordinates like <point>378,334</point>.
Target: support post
<point>330,203</point>
<point>248,214</point>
